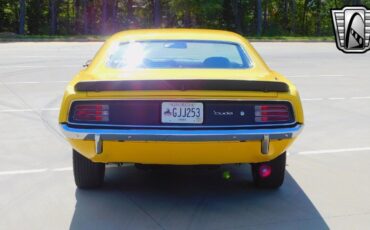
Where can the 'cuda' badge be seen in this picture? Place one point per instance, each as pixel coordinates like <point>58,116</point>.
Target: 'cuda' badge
<point>216,113</point>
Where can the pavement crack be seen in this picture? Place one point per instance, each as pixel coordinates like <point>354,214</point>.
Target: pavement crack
<point>146,213</point>
<point>198,207</point>
<point>28,106</point>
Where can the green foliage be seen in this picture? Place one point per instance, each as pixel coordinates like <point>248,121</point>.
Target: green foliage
<point>8,16</point>
<point>76,17</point>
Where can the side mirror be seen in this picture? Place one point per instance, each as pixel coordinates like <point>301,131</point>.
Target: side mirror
<point>88,62</point>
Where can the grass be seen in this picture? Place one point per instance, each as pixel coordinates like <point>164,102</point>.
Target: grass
<point>11,37</point>
<point>40,38</point>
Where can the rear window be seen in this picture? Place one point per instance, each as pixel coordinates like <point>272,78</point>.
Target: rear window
<point>178,54</point>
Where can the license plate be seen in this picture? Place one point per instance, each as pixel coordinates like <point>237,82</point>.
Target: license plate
<point>182,112</point>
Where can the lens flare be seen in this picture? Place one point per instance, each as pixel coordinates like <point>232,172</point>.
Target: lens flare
<point>134,55</point>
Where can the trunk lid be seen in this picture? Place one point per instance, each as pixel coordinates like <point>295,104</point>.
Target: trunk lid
<point>181,82</point>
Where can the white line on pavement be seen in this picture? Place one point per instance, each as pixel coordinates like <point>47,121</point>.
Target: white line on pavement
<point>33,82</point>
<point>61,169</point>
<point>38,66</point>
<point>362,149</point>
<point>27,110</point>
<point>359,98</point>
<point>316,76</point>
<point>336,98</point>
<point>15,110</point>
<point>17,172</point>
<point>312,99</point>
<point>50,109</point>
<point>43,170</point>
<point>41,56</point>
<point>331,75</point>
<point>22,66</point>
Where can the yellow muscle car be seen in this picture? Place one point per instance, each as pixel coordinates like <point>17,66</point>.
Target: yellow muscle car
<point>179,97</point>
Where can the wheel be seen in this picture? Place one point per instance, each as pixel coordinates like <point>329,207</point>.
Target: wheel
<point>87,174</point>
<point>269,174</point>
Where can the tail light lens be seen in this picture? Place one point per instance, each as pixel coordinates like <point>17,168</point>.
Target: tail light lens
<point>91,112</point>
<point>272,113</point>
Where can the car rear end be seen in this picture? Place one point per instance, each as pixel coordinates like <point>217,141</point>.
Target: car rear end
<point>181,111</point>
<point>181,127</point>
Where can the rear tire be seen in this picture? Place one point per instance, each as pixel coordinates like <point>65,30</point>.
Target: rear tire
<point>276,177</point>
<point>87,174</point>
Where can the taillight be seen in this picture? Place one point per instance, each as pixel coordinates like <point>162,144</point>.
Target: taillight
<point>271,113</point>
<point>91,112</point>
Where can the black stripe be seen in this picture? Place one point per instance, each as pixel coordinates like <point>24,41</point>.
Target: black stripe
<point>226,85</point>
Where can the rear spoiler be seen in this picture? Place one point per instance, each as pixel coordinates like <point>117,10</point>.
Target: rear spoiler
<point>182,85</point>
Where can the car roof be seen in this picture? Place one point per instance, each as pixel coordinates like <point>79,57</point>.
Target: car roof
<point>186,34</point>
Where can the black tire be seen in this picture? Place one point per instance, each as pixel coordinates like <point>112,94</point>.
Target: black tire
<point>276,178</point>
<point>87,174</point>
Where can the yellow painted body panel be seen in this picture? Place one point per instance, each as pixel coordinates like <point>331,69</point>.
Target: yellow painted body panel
<point>180,152</point>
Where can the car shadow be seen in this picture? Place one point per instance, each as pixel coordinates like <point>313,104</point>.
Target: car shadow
<point>187,198</point>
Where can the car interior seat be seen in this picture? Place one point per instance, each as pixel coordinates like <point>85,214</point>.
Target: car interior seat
<point>216,62</point>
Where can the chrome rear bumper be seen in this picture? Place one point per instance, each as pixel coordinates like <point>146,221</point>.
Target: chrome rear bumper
<point>99,135</point>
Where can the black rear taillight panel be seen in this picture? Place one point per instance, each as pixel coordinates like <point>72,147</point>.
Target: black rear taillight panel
<point>147,113</point>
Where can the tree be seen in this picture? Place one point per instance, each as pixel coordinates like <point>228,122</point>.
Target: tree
<point>85,16</point>
<point>318,17</point>
<point>130,14</point>
<point>305,5</point>
<point>53,16</point>
<point>285,21</point>
<point>22,16</point>
<point>156,13</point>
<point>104,16</point>
<point>259,17</point>
<point>228,15</point>
<point>270,17</point>
<point>265,15</point>
<point>37,17</point>
<point>238,15</point>
<point>292,16</point>
<point>187,14</point>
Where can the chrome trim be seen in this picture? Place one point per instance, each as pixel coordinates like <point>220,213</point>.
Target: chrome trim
<point>265,144</point>
<point>98,144</point>
<point>180,135</point>
<point>202,127</point>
